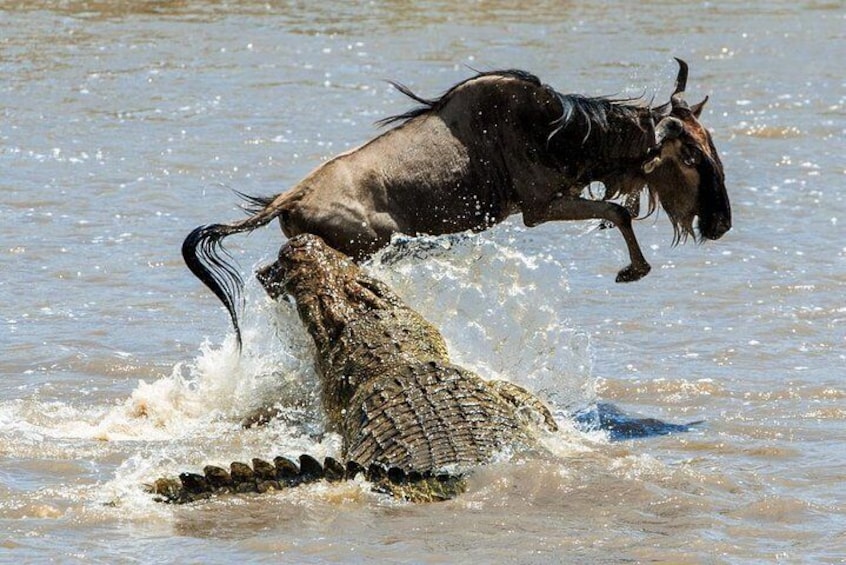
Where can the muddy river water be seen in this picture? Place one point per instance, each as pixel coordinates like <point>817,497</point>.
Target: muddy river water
<point>124,124</point>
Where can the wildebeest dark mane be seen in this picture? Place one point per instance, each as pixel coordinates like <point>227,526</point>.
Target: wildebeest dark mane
<point>592,112</point>
<point>609,136</point>
<point>433,104</point>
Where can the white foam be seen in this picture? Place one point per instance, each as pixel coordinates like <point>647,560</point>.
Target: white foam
<point>484,294</point>
<point>495,305</point>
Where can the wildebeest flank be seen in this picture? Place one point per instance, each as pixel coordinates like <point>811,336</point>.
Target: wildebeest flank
<point>494,145</point>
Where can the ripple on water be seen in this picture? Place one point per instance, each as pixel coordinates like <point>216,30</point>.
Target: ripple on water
<point>766,131</point>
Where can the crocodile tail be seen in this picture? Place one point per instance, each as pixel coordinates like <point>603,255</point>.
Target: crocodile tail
<point>262,477</point>
<point>414,486</point>
<point>283,473</point>
<point>206,257</point>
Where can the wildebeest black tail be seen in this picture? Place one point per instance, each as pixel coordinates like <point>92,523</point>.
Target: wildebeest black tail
<point>206,257</point>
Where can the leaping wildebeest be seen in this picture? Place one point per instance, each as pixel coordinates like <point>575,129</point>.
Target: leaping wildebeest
<point>494,145</point>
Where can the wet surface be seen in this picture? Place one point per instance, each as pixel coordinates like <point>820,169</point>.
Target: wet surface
<point>127,124</point>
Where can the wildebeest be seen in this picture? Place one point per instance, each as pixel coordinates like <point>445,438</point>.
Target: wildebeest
<point>494,145</point>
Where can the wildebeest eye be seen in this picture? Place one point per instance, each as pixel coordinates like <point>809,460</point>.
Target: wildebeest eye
<point>691,156</point>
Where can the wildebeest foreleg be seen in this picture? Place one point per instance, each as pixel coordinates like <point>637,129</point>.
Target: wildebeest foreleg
<point>580,209</point>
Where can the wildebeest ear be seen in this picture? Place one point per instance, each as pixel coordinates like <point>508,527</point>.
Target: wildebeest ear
<point>697,108</point>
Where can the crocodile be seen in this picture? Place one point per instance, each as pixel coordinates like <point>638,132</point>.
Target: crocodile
<point>411,421</point>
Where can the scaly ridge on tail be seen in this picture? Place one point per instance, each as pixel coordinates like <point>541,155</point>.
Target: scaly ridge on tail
<point>283,473</point>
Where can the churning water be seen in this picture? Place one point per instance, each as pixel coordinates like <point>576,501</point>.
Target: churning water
<point>125,124</point>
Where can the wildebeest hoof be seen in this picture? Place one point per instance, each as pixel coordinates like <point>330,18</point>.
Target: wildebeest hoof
<point>632,273</point>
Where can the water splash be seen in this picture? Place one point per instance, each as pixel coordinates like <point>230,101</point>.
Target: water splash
<point>498,310</point>
<point>493,303</point>
<point>502,311</point>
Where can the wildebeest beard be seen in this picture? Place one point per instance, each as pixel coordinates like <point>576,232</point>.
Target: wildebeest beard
<point>681,206</point>
<point>701,213</point>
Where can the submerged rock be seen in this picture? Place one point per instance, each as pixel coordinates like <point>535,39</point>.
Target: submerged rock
<point>620,426</point>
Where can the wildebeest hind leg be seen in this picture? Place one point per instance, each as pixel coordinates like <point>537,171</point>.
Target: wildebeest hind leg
<point>345,229</point>
<point>580,209</point>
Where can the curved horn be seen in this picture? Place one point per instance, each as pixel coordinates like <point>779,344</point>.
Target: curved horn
<point>681,79</point>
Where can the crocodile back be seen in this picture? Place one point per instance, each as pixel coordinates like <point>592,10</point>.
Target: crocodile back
<point>430,417</point>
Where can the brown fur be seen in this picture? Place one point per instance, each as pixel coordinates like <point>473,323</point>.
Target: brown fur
<point>494,145</point>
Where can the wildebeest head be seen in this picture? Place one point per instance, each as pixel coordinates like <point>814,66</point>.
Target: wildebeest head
<point>683,168</point>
